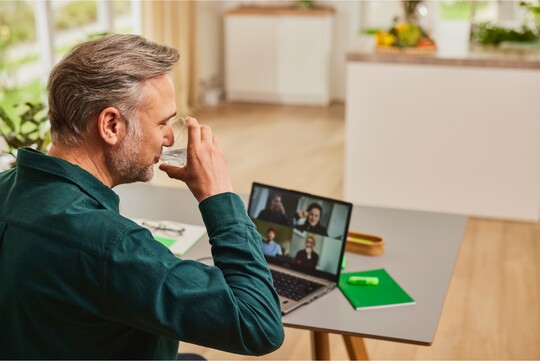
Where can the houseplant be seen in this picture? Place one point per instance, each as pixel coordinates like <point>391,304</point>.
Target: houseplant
<point>523,37</point>
<point>29,127</point>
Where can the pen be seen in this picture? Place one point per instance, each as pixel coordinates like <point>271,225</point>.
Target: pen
<point>363,281</point>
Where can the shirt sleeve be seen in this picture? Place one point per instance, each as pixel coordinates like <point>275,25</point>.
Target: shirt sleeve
<point>231,306</point>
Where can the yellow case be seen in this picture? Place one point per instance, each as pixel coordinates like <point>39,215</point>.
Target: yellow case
<point>362,243</point>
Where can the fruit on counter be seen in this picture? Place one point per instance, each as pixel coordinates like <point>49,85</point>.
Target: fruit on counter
<point>385,39</point>
<point>408,34</point>
<point>425,43</point>
<point>405,35</point>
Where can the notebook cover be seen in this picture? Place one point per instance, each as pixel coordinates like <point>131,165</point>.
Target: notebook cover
<point>388,293</point>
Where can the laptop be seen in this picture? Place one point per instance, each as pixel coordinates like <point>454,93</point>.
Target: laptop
<point>303,241</point>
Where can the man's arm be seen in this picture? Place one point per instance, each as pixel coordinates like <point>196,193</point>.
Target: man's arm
<point>239,290</point>
<point>250,281</point>
<point>231,306</point>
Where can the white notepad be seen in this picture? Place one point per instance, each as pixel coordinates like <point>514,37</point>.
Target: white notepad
<point>178,237</point>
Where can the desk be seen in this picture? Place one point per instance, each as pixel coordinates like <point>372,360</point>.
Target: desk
<point>420,252</point>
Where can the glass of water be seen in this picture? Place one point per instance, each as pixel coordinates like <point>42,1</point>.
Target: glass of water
<point>176,154</point>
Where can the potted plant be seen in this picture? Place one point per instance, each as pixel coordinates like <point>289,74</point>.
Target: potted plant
<point>527,36</point>
<point>28,128</point>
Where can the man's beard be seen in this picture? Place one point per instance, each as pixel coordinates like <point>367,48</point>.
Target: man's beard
<point>124,160</point>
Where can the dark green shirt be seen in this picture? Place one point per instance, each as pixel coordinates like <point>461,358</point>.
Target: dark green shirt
<point>78,280</point>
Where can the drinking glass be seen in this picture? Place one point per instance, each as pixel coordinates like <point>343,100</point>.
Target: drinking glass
<point>176,154</point>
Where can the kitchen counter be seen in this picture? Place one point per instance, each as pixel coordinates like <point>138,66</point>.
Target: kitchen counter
<point>280,10</point>
<point>508,58</point>
<point>456,134</point>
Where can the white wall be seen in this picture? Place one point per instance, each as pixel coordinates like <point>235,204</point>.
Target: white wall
<point>211,40</point>
<point>347,12</point>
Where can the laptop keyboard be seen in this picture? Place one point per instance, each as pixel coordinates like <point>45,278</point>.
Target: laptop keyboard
<point>293,287</point>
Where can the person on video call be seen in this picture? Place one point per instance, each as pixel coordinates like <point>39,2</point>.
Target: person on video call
<point>307,257</point>
<point>270,247</point>
<point>78,280</point>
<point>312,220</point>
<point>275,213</point>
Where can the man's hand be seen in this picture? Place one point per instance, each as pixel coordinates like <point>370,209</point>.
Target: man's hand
<point>206,172</point>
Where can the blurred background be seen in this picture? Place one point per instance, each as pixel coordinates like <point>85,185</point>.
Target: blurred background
<point>35,34</point>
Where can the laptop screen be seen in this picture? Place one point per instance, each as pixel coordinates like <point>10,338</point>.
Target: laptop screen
<point>301,231</point>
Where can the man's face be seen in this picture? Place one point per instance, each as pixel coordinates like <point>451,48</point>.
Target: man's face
<point>270,235</point>
<point>276,204</point>
<point>134,158</point>
<point>314,215</point>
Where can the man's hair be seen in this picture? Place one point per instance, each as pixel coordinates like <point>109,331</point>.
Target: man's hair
<point>105,72</point>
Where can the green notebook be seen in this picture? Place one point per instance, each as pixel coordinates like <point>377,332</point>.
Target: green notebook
<point>387,293</point>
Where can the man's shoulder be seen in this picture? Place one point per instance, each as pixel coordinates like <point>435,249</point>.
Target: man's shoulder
<point>265,212</point>
<point>7,178</point>
<point>66,214</point>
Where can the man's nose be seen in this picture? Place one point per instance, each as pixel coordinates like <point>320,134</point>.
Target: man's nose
<point>168,136</point>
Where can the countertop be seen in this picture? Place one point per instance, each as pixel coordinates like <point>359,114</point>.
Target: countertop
<point>280,10</point>
<point>478,57</point>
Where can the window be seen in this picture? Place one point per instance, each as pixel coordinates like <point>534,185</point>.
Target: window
<point>18,53</point>
<point>35,34</point>
<point>378,15</point>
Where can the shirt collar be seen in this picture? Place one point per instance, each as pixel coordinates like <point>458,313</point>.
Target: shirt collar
<point>30,159</point>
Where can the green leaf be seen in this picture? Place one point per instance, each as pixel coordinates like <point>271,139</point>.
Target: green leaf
<point>5,118</point>
<point>32,129</point>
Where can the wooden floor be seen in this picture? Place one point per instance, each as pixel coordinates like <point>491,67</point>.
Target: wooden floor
<point>492,310</point>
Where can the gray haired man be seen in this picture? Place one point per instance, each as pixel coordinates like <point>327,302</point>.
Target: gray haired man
<point>77,280</point>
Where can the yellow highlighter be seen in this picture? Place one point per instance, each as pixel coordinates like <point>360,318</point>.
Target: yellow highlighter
<point>363,281</point>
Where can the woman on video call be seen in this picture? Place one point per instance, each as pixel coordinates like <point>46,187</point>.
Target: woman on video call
<point>312,223</point>
<point>307,257</point>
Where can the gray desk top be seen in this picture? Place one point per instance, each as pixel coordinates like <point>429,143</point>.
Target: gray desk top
<point>420,252</point>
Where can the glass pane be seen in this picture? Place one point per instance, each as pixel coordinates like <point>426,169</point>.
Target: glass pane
<point>486,11</point>
<point>462,10</point>
<point>19,55</point>
<point>73,21</point>
<point>378,15</point>
<point>455,10</point>
<point>74,16</point>
<point>123,20</point>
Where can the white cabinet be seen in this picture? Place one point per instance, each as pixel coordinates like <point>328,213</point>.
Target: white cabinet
<point>283,58</point>
<point>250,55</point>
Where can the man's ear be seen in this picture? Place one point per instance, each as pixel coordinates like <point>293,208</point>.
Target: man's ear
<point>111,125</point>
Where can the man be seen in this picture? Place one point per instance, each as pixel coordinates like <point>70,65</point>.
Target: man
<point>270,247</point>
<point>77,280</point>
<point>275,213</point>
